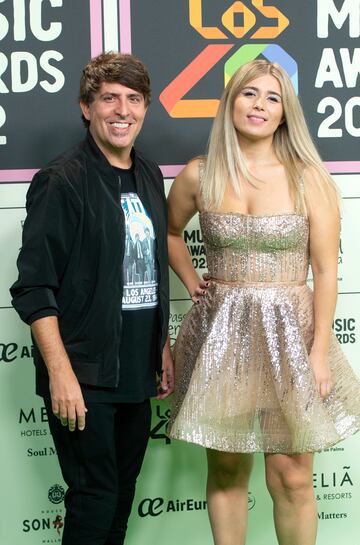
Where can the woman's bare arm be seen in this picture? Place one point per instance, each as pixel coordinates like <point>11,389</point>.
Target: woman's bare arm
<point>183,203</point>
<point>324,222</point>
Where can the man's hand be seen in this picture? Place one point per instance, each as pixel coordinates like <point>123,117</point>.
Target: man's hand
<point>67,399</point>
<point>66,396</point>
<point>166,382</point>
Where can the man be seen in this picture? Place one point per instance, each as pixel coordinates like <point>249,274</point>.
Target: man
<point>89,363</point>
<point>148,249</point>
<point>139,259</point>
<point>128,257</point>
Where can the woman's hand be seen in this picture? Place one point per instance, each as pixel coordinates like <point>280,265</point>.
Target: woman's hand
<point>165,384</point>
<point>201,289</point>
<point>322,374</point>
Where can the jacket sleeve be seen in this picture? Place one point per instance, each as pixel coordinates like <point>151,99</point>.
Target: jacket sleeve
<point>48,235</point>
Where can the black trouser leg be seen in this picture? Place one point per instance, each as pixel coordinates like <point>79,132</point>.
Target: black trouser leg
<point>100,465</point>
<point>131,446</point>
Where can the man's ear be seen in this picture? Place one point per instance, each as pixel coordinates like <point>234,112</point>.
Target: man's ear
<point>85,110</point>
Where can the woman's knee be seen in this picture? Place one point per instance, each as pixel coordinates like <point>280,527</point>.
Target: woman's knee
<point>290,478</point>
<point>228,469</point>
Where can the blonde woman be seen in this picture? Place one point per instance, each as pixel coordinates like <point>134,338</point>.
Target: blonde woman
<point>257,366</point>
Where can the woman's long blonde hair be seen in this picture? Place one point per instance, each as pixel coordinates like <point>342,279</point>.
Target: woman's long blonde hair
<point>292,142</point>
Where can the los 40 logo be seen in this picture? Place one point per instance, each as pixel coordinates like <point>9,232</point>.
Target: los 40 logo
<point>172,96</point>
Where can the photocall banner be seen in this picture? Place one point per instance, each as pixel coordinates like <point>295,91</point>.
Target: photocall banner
<point>191,47</point>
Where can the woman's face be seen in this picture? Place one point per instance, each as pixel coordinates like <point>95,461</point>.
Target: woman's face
<point>258,109</point>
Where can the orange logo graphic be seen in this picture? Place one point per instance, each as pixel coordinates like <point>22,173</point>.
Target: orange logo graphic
<point>172,97</point>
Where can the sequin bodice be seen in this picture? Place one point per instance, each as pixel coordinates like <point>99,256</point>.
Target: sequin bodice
<point>242,248</point>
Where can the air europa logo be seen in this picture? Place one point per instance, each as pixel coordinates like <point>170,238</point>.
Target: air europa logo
<point>172,97</point>
<point>154,507</point>
<point>9,352</point>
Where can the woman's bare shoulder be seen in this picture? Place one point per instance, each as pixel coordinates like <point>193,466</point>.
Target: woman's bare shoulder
<point>189,176</point>
<point>183,199</point>
<point>193,169</point>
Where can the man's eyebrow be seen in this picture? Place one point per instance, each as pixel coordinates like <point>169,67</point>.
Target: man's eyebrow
<point>130,95</point>
<point>107,93</point>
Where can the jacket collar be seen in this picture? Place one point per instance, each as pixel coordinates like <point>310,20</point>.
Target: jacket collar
<point>101,163</point>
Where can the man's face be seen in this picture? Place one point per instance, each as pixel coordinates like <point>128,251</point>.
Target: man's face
<point>116,115</point>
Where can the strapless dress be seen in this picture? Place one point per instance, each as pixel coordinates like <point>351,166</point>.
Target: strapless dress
<point>243,378</point>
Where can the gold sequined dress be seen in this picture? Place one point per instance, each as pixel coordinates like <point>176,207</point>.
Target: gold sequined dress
<point>243,378</point>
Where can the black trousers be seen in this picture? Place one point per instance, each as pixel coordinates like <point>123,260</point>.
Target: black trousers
<point>100,466</point>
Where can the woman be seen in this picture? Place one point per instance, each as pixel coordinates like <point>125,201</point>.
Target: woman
<point>257,366</point>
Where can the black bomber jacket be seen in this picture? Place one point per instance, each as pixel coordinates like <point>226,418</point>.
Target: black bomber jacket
<point>70,263</point>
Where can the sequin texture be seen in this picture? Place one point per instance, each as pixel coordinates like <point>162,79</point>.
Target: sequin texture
<point>243,377</point>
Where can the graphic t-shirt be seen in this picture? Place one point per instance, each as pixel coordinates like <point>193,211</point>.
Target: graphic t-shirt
<point>140,317</point>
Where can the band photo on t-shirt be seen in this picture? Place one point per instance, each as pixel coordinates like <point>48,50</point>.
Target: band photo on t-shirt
<point>139,267</point>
